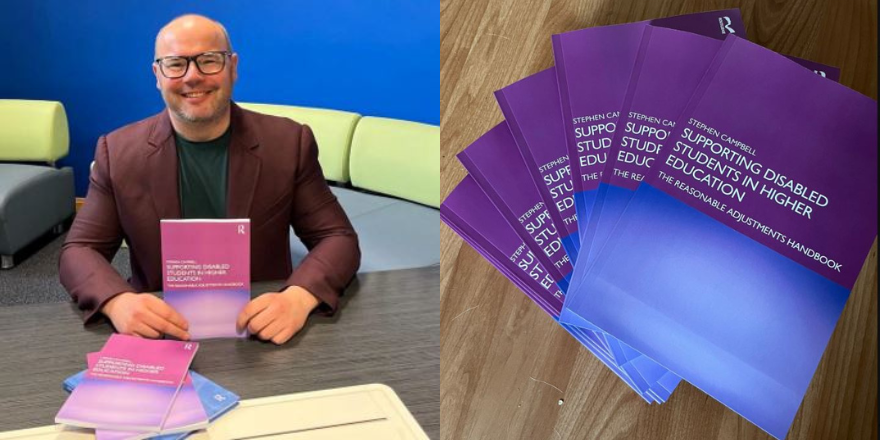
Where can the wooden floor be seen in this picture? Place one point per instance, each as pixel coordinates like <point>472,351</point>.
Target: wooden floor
<point>507,371</point>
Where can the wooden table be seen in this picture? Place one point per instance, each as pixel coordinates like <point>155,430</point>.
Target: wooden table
<point>386,331</point>
<point>506,364</point>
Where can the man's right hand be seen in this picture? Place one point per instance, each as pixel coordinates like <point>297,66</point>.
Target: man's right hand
<point>145,315</point>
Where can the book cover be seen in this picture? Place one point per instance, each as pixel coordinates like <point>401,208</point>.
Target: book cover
<point>593,69</point>
<point>497,166</point>
<point>131,385</point>
<point>215,399</point>
<point>746,235</point>
<point>668,70</point>
<point>469,213</point>
<point>187,413</point>
<point>206,273</point>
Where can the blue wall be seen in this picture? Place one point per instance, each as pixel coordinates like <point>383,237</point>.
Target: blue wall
<point>379,58</point>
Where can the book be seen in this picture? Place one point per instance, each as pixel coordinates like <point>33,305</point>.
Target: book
<point>186,414</point>
<point>669,66</point>
<point>496,165</point>
<point>131,385</point>
<point>469,213</point>
<point>593,69</point>
<point>215,399</point>
<point>668,69</point>
<point>206,273</point>
<point>747,236</point>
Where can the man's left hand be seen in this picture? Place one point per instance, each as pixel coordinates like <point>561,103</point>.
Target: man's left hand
<point>277,316</point>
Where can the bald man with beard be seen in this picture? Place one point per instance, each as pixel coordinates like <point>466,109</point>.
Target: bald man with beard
<point>205,157</point>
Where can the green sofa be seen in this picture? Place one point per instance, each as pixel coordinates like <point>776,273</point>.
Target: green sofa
<point>386,175</point>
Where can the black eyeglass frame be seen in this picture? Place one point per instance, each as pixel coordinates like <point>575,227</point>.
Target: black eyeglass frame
<point>192,60</point>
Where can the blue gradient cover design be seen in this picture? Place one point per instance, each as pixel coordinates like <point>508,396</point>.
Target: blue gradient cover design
<point>712,319</point>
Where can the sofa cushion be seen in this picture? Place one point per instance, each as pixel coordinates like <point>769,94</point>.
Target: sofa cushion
<point>33,130</point>
<point>333,131</point>
<point>33,199</point>
<point>393,234</point>
<point>399,158</point>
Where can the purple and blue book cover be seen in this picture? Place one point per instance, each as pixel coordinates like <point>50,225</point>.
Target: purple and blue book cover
<point>668,69</point>
<point>206,269</point>
<point>747,233</point>
<point>131,386</point>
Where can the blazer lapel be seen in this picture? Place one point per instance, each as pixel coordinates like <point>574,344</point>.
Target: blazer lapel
<point>162,164</point>
<point>244,166</point>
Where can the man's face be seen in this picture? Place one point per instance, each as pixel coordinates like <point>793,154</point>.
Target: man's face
<point>195,97</point>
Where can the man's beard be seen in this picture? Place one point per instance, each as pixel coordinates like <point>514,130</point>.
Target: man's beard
<point>222,107</point>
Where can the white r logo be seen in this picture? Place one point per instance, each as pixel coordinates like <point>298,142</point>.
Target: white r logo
<point>241,229</point>
<point>725,27</point>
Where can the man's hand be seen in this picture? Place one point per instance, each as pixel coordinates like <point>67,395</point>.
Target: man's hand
<point>145,315</point>
<point>277,316</point>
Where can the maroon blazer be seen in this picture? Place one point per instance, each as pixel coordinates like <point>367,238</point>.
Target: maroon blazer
<point>274,180</point>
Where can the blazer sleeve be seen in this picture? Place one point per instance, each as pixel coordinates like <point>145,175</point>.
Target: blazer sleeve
<point>319,221</point>
<point>93,240</point>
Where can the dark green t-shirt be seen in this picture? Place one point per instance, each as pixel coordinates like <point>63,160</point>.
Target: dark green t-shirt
<point>202,176</point>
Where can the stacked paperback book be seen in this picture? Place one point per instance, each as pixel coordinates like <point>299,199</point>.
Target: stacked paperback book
<point>137,388</point>
<point>687,204</point>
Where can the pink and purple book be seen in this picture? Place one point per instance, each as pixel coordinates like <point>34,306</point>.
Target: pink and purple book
<point>187,413</point>
<point>131,385</point>
<point>206,273</point>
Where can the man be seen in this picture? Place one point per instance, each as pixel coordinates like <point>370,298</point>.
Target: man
<point>203,156</point>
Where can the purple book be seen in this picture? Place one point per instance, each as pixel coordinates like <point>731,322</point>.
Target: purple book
<point>668,69</point>
<point>131,386</point>
<point>736,254</point>
<point>206,268</point>
<point>496,165</point>
<point>186,414</point>
<point>593,69</point>
<point>469,213</point>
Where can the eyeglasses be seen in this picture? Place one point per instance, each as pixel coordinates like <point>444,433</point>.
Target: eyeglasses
<point>208,63</point>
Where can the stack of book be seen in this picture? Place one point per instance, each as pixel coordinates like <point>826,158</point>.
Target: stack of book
<point>137,388</point>
<point>687,204</point>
